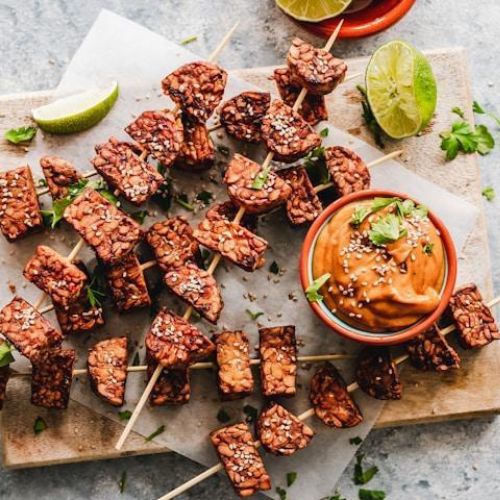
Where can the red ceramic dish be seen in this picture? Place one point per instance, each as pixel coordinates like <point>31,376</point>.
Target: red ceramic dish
<point>378,16</point>
<point>353,333</point>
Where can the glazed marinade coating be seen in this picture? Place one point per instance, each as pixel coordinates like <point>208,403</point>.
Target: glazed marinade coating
<point>59,278</point>
<point>59,174</point>
<point>19,208</point>
<point>26,329</point>
<point>241,460</point>
<point>51,378</point>
<point>227,211</point>
<point>278,367</point>
<point>331,401</point>
<point>107,369</point>
<point>109,231</point>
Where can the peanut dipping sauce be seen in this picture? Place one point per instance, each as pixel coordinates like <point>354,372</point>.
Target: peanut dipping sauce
<point>385,287</point>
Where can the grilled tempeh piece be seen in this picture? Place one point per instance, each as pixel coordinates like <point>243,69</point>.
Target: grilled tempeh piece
<point>60,174</point>
<point>313,108</point>
<point>227,211</point>
<point>107,369</point>
<point>26,329</point>
<point>377,375</point>
<point>197,151</point>
<point>109,231</point>
<point>174,343</point>
<point>278,367</point>
<point>314,68</point>
<point>475,323</point>
<point>232,241</point>
<point>123,169</point>
<point>242,115</point>
<point>241,460</point>
<point>303,205</point>
<point>281,432</point>
<point>51,378</point>
<point>4,379</point>
<point>172,242</point>
<point>235,378</point>
<point>172,388</point>
<point>19,208</point>
<point>240,177</point>
<point>197,88</point>
<point>160,132</point>
<point>348,171</point>
<point>62,280</point>
<point>332,403</point>
<point>287,134</point>
<point>430,351</point>
<point>198,288</point>
<point>127,283</point>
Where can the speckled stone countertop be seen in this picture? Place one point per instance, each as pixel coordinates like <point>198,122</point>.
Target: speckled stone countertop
<point>457,460</point>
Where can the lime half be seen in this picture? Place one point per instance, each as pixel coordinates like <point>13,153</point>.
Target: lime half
<point>313,10</point>
<point>401,89</point>
<point>77,112</point>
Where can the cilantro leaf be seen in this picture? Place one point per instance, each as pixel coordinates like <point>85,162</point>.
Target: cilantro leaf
<point>312,291</point>
<point>281,492</point>
<point>183,201</point>
<point>315,165</point>
<point>205,197</point>
<point>370,120</point>
<point>251,413</point>
<point>96,288</point>
<point>337,496</point>
<point>380,202</point>
<point>139,216</point>
<point>458,111</point>
<point>291,478</point>
<point>261,178</point>
<point>189,39</point>
<point>39,426</point>
<point>324,132</point>
<point>157,432</point>
<point>371,494</point>
<point>274,267</point>
<point>385,230</point>
<point>122,483</point>
<point>254,315</point>
<point>484,139</point>
<point>124,415</point>
<point>359,215</point>
<point>478,109</point>
<point>363,476</point>
<point>428,248</point>
<point>6,357</point>
<point>21,134</point>
<point>355,440</point>
<point>488,192</point>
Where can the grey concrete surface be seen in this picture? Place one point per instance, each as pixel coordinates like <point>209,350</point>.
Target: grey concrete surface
<point>459,460</point>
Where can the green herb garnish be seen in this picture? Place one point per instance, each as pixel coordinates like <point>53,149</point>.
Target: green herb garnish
<point>223,416</point>
<point>254,315</point>
<point>478,109</point>
<point>39,426</point>
<point>281,492</point>
<point>6,357</point>
<point>205,197</point>
<point>387,229</point>
<point>324,132</point>
<point>21,134</point>
<point>223,150</point>
<point>274,267</point>
<point>189,39</point>
<point>458,111</point>
<point>157,432</point>
<point>355,440</point>
<point>370,120</point>
<point>465,138</point>
<point>359,215</point>
<point>312,291</point>
<point>42,183</point>
<point>261,178</point>
<point>428,248</point>
<point>139,216</point>
<point>251,413</point>
<point>124,415</point>
<point>363,476</point>
<point>371,494</point>
<point>489,193</point>
<point>315,164</point>
<point>96,289</point>
<point>183,201</point>
<point>379,203</point>
<point>290,478</point>
<point>122,483</point>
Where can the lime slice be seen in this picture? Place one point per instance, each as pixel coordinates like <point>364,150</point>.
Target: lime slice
<point>401,89</point>
<point>77,112</point>
<point>313,10</point>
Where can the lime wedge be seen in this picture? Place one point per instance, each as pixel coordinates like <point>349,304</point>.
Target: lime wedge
<point>401,89</point>
<point>313,10</point>
<point>77,112</point>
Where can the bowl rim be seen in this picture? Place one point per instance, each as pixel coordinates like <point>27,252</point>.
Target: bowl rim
<point>407,333</point>
<point>375,25</point>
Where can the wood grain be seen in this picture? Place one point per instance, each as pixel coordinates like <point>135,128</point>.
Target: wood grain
<point>81,434</point>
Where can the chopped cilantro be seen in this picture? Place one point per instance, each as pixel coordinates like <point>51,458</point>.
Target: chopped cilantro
<point>363,476</point>
<point>42,183</point>
<point>96,289</point>
<point>21,134</point>
<point>315,165</point>
<point>251,413</point>
<point>458,111</point>
<point>157,432</point>
<point>478,109</point>
<point>274,267</point>
<point>6,357</point>
<point>205,197</point>
<point>489,193</point>
<point>371,494</point>
<point>39,426</point>
<point>281,492</point>
<point>370,120</point>
<point>254,315</point>
<point>291,478</point>
<point>124,415</point>
<point>324,132</point>
<point>122,483</point>
<point>359,215</point>
<point>387,229</point>
<point>223,416</point>
<point>465,138</point>
<point>139,216</point>
<point>183,201</point>
<point>380,202</point>
<point>312,291</point>
<point>189,39</point>
<point>261,178</point>
<point>428,248</point>
<point>355,440</point>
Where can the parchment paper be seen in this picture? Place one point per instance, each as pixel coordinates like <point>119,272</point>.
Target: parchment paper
<point>116,48</point>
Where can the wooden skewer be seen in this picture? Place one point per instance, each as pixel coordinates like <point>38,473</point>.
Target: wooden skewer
<point>156,374</point>
<point>303,416</point>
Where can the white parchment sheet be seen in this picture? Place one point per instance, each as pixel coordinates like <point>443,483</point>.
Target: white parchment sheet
<point>118,49</point>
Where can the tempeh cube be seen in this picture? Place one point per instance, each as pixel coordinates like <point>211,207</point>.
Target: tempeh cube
<point>281,432</point>
<point>303,205</point>
<point>127,283</point>
<point>376,374</point>
<point>278,361</point>
<point>314,68</point>
<point>172,388</point>
<point>160,132</point>
<point>332,402</point>
<point>172,242</point>
<point>197,88</point>
<point>51,378</point>
<point>25,328</point>
<point>175,343</point>
<point>474,320</point>
<point>198,288</point>
<point>57,276</point>
<point>235,378</point>
<point>198,150</point>
<point>4,379</point>
<point>240,179</point>
<point>313,108</point>
<point>232,241</point>
<point>123,169</point>
<point>287,134</point>
<point>107,369</point>
<point>430,351</point>
<point>241,460</point>
<point>227,211</point>
<point>19,208</point>
<point>108,230</point>
<point>347,169</point>
<point>242,115</point>
<point>60,174</point>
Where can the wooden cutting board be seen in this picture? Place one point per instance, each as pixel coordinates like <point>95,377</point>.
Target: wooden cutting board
<point>80,434</point>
